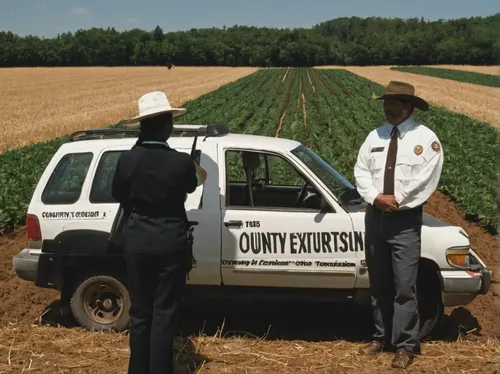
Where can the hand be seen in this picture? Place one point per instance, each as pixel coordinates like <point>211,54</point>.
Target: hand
<point>386,203</point>
<point>200,171</point>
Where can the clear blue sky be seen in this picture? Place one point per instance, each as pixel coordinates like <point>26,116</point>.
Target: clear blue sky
<point>50,17</point>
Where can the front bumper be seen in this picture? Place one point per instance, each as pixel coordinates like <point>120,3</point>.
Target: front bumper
<point>461,287</point>
<point>25,265</point>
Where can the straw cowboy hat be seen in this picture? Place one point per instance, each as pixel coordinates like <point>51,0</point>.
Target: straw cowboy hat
<point>403,91</point>
<point>153,104</point>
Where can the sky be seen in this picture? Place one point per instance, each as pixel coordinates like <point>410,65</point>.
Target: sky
<point>48,18</point>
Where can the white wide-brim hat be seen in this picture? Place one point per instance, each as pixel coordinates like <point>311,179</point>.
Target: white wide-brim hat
<point>153,104</point>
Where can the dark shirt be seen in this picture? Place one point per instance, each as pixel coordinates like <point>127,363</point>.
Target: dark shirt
<point>151,182</point>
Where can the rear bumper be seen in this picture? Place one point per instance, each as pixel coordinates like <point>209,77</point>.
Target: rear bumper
<point>461,287</point>
<point>25,265</point>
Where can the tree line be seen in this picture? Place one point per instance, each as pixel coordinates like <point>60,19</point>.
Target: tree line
<point>341,41</point>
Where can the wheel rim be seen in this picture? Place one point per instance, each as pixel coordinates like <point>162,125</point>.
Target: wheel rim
<point>103,303</point>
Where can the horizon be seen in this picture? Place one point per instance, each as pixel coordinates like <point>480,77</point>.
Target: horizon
<point>47,19</point>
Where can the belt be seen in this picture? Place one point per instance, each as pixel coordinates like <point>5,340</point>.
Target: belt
<point>416,209</point>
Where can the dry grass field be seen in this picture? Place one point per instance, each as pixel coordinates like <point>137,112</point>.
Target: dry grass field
<point>57,350</point>
<point>40,104</point>
<point>475,101</point>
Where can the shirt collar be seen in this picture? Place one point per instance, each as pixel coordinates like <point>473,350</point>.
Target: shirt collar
<point>403,127</point>
<point>155,142</point>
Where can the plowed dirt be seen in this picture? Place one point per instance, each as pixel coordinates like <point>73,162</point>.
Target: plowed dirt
<point>22,301</point>
<point>282,339</point>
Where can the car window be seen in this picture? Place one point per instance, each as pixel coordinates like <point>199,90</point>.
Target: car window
<point>265,180</point>
<point>66,181</point>
<point>100,192</point>
<point>103,178</point>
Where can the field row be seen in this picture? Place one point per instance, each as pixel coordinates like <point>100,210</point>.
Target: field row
<point>329,110</point>
<point>332,112</point>
<point>489,80</point>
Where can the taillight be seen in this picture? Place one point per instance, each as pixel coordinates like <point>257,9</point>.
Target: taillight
<point>33,231</point>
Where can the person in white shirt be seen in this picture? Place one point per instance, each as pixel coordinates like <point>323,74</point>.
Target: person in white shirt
<point>397,170</point>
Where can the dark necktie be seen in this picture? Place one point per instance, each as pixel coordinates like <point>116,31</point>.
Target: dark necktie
<point>390,163</point>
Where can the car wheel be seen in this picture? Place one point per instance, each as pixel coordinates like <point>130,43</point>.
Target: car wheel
<point>431,312</point>
<point>101,302</point>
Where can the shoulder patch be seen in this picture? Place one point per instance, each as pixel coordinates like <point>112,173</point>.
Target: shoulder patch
<point>418,150</point>
<point>435,146</point>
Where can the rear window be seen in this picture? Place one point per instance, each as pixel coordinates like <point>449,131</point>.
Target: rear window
<point>66,181</point>
<point>103,179</point>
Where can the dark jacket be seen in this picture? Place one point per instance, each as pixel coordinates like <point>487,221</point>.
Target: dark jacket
<point>151,182</point>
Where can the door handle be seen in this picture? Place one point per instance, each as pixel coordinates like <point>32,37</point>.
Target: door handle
<point>233,224</point>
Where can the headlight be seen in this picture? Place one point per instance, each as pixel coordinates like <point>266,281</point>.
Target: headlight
<point>458,257</point>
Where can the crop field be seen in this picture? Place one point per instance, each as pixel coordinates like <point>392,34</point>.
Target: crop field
<point>453,74</point>
<point>331,111</point>
<point>485,69</point>
<point>474,101</point>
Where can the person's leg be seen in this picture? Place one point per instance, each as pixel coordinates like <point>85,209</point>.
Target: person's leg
<point>141,279</point>
<point>378,260</point>
<point>166,312</point>
<point>406,248</point>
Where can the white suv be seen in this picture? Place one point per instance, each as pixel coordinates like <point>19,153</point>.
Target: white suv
<point>272,221</point>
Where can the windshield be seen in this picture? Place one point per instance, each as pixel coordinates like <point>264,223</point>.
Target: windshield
<point>326,173</point>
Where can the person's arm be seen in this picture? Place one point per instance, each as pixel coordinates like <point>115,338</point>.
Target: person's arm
<point>421,188</point>
<point>363,176</point>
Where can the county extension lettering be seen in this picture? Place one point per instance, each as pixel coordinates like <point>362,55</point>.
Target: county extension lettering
<point>70,215</point>
<point>228,263</point>
<point>305,242</point>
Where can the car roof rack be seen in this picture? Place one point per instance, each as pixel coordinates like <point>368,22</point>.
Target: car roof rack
<point>180,130</point>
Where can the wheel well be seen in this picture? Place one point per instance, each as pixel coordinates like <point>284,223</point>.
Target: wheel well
<point>428,279</point>
<point>81,268</point>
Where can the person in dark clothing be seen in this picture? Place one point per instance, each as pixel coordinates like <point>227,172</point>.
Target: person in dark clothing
<point>151,182</point>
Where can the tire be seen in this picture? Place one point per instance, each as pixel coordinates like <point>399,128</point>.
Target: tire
<point>430,306</point>
<point>100,303</point>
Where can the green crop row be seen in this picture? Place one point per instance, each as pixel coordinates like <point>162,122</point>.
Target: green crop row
<point>456,75</point>
<point>329,110</point>
<point>341,113</point>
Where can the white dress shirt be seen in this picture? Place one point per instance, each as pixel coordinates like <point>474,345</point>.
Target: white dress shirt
<point>418,164</point>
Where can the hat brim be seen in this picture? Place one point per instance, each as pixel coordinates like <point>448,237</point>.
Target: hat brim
<point>135,120</point>
<point>415,100</point>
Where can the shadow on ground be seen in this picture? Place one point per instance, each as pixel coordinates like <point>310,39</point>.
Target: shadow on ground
<point>284,321</point>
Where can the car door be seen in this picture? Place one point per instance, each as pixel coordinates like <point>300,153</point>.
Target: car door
<point>270,240</point>
<point>97,197</point>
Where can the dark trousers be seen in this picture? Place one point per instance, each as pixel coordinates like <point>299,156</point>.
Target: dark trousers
<point>155,284</point>
<point>393,245</point>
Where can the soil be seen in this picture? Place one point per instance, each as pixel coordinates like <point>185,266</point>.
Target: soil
<point>23,302</point>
